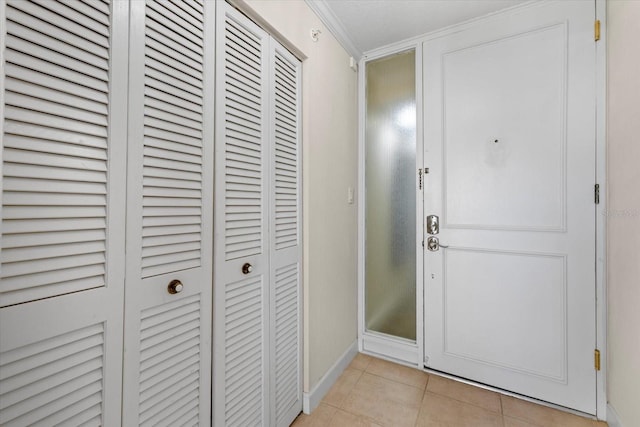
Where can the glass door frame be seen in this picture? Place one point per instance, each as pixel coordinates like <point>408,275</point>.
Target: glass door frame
<point>374,343</point>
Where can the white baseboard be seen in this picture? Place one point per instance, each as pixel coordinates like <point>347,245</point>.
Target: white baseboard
<point>311,400</point>
<point>612,417</point>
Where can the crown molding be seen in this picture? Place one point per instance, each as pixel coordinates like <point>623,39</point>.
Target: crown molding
<point>331,21</point>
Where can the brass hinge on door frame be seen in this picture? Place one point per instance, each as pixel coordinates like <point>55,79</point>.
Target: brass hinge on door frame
<point>596,30</point>
<point>596,194</point>
<point>596,359</point>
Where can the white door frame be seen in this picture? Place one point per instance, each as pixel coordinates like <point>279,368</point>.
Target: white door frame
<point>601,209</point>
<point>395,350</point>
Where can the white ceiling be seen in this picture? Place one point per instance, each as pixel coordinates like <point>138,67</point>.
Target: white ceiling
<point>363,25</point>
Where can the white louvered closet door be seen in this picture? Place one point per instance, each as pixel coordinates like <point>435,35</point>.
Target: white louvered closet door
<point>257,322</point>
<point>167,361</point>
<point>285,238</point>
<point>241,302</point>
<point>63,183</point>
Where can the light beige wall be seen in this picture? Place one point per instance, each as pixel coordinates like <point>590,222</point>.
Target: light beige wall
<point>623,145</point>
<point>329,104</point>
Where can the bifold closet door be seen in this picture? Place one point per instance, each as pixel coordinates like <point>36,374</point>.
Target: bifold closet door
<point>63,185</point>
<point>242,264</point>
<point>257,322</point>
<point>167,359</point>
<point>285,245</point>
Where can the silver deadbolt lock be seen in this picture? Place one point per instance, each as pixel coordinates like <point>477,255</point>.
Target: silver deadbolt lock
<point>433,224</point>
<point>175,287</point>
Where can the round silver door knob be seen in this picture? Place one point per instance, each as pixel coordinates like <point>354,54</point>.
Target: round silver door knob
<point>247,268</point>
<point>175,287</point>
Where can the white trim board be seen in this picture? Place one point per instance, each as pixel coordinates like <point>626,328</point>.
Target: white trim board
<point>612,417</point>
<point>601,218</point>
<point>311,400</point>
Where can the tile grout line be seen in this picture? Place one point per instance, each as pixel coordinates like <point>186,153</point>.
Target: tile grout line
<point>501,397</point>
<point>370,419</point>
<point>355,384</point>
<point>424,394</point>
<point>395,381</point>
<point>366,371</point>
<point>446,396</point>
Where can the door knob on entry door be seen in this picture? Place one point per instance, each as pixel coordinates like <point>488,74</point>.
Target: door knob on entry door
<point>433,244</point>
<point>247,268</point>
<point>175,287</point>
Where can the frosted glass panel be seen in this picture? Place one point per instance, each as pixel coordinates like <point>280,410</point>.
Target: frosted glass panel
<point>390,212</point>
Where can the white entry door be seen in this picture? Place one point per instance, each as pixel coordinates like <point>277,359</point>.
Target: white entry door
<point>510,151</point>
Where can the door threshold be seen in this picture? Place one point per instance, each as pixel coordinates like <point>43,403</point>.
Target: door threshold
<point>509,393</point>
<point>391,347</point>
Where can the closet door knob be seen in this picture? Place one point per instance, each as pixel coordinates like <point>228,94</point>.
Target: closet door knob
<point>247,268</point>
<point>175,287</point>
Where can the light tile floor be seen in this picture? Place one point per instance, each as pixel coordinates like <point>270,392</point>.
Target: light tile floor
<point>373,392</point>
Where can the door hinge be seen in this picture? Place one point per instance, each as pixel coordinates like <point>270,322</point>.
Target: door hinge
<point>420,179</point>
<point>596,359</point>
<point>596,194</point>
<point>596,30</point>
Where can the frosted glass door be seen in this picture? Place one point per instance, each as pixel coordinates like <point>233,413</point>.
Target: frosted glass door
<point>390,211</point>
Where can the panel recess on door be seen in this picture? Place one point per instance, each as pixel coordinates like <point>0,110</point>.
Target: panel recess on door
<point>501,159</point>
<point>170,362</point>
<point>54,380</point>
<point>173,138</point>
<point>243,142</point>
<point>243,347</point>
<point>533,290</point>
<point>55,171</point>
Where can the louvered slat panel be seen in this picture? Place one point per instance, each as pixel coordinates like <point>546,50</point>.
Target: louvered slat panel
<point>243,353</point>
<point>54,149</point>
<point>170,362</point>
<point>57,381</point>
<point>173,126</point>
<point>286,340</point>
<point>286,154</point>
<point>243,145</point>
